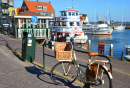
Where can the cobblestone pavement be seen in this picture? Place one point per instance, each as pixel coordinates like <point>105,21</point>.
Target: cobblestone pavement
<point>15,73</point>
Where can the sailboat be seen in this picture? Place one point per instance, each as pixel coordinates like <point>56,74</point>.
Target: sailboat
<point>120,27</point>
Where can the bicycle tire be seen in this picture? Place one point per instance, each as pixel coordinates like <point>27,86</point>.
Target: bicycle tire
<point>58,76</point>
<point>106,77</point>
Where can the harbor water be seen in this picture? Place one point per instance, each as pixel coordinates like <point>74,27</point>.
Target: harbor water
<point>119,39</point>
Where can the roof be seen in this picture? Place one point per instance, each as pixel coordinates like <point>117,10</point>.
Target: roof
<point>29,13</point>
<point>32,6</point>
<point>18,10</point>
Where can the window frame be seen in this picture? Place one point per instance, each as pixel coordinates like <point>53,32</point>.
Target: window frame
<point>39,7</point>
<point>44,8</point>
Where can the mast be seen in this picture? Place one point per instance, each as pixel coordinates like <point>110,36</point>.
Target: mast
<point>122,12</point>
<point>72,4</point>
<point>107,12</point>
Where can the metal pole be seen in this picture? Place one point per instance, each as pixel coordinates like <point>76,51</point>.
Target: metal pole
<point>111,50</point>
<point>43,58</point>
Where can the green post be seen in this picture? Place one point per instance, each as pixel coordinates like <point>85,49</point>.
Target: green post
<point>43,58</point>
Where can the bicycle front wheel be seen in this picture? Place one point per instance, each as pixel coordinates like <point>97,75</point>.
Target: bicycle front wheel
<point>64,73</point>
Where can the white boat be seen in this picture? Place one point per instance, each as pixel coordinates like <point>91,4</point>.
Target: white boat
<point>127,52</point>
<point>68,24</point>
<point>119,27</point>
<point>100,29</point>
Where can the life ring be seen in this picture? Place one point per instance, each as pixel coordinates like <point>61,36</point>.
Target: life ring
<point>59,19</point>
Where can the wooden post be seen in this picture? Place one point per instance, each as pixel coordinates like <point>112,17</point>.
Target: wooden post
<point>111,50</point>
<point>89,45</point>
<point>122,56</point>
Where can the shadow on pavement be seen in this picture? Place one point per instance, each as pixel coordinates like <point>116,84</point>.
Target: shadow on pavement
<point>44,76</point>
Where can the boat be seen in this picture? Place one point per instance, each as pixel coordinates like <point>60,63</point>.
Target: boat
<point>127,52</point>
<point>68,24</point>
<point>99,29</point>
<point>120,27</point>
<point>84,21</point>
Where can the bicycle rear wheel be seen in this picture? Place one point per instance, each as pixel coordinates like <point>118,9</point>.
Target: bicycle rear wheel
<point>59,73</point>
<point>104,80</point>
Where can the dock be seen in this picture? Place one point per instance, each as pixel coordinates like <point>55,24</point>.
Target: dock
<point>15,73</point>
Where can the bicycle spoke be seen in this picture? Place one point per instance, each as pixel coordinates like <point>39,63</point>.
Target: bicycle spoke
<point>63,73</point>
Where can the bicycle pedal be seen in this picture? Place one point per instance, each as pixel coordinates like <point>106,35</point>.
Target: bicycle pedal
<point>73,76</point>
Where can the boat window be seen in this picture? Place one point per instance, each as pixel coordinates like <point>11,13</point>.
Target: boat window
<point>62,13</point>
<point>55,24</point>
<point>59,23</point>
<point>63,23</point>
<point>77,14</point>
<point>78,24</point>
<point>73,13</point>
<point>51,23</point>
<point>69,13</point>
<point>71,23</point>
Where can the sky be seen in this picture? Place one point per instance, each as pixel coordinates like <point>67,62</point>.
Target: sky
<point>105,8</point>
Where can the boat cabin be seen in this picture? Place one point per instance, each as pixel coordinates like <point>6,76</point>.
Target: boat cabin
<point>68,23</point>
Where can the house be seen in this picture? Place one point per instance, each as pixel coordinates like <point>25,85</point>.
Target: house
<point>4,14</point>
<point>42,10</point>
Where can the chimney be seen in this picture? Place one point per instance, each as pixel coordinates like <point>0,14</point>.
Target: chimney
<point>50,2</point>
<point>37,0</point>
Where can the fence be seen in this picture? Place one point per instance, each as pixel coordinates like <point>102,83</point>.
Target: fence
<point>38,33</point>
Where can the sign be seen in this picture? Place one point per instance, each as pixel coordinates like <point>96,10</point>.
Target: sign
<point>34,19</point>
<point>101,47</point>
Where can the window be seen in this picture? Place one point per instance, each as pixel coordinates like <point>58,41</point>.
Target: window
<point>62,13</point>
<point>73,13</point>
<point>78,24</point>
<point>46,14</point>
<point>59,23</point>
<point>41,13</point>
<point>77,14</point>
<point>51,23</point>
<point>63,23</point>
<point>44,8</point>
<point>69,13</point>
<point>39,7</point>
<point>52,14</point>
<point>55,23</point>
<point>71,23</point>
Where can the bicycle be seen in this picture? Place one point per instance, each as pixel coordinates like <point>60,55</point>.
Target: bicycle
<point>96,75</point>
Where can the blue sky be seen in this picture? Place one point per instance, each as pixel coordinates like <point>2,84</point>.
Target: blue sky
<point>88,7</point>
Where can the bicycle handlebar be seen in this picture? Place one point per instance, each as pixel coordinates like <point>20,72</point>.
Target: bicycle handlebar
<point>72,41</point>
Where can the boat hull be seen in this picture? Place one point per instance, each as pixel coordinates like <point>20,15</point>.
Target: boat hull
<point>119,28</point>
<point>78,39</point>
<point>127,57</point>
<point>99,32</point>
